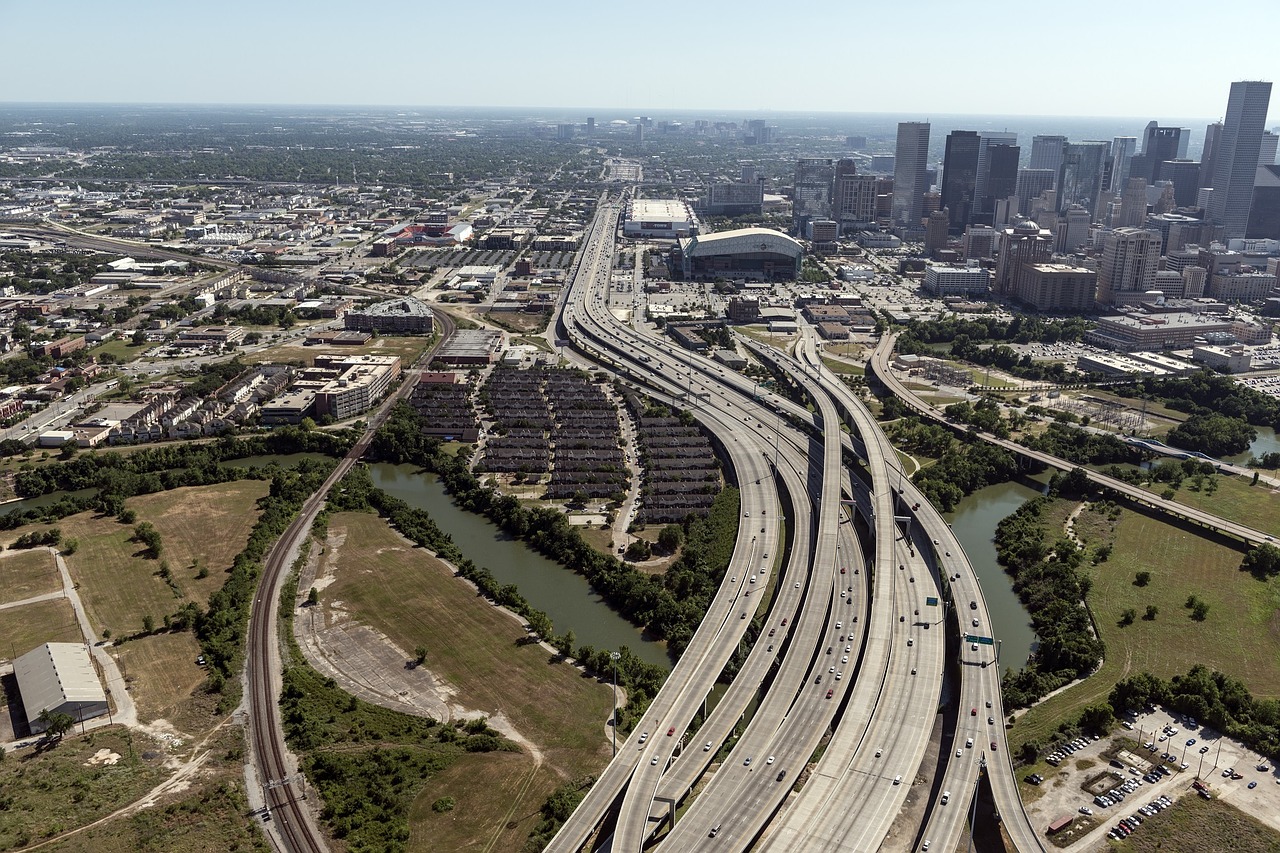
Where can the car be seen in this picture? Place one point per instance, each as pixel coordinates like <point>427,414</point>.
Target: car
<point>831,670</point>
<point>1204,749</point>
<point>839,675</point>
<point>1253,784</point>
<point>753,579</point>
<point>1086,810</point>
<point>991,721</point>
<point>910,641</point>
<point>797,584</point>
<point>897,780</point>
<point>968,742</point>
<point>772,631</point>
<point>1226,774</point>
<point>1191,741</point>
<point>946,797</point>
<point>784,622</point>
<point>843,570</point>
<point>975,623</point>
<point>706,747</point>
<point>988,703</point>
<point>780,776</point>
<point>818,680</point>
<point>879,752</point>
<point>848,649</point>
<point>973,605</point>
<point>830,649</point>
<point>747,762</point>
<point>973,647</point>
<point>993,746</point>
<point>655,760</point>
<point>671,731</point>
<point>839,625</point>
<point>830,693</point>
<point>200,661</point>
<point>973,712</point>
<point>744,615</point>
<point>715,830</point>
<point>644,736</point>
<point>959,753</point>
<point>733,579</point>
<point>925,846</point>
<point>844,659</point>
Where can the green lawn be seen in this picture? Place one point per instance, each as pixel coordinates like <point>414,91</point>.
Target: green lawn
<point>1194,825</point>
<point>1240,637</point>
<point>122,348</point>
<point>843,367</point>
<point>1234,499</point>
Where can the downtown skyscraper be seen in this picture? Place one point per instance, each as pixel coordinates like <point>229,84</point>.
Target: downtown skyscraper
<point>1235,156</point>
<point>910,165</point>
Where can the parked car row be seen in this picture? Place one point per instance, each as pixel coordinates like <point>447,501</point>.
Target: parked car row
<point>1060,754</point>
<point>1127,825</point>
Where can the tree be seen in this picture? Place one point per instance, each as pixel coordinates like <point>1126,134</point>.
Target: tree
<point>419,655</point>
<point>70,545</point>
<point>139,337</point>
<point>1200,611</point>
<point>670,538</point>
<point>148,623</point>
<point>1152,612</point>
<point>1128,616</point>
<point>313,597</point>
<point>1142,579</point>
<point>56,724</point>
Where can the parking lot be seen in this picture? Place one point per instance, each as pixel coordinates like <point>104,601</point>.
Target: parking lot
<point>1101,782</point>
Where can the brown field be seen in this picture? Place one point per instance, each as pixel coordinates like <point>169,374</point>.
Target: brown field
<point>24,574</point>
<point>23,628</point>
<point>414,599</point>
<point>119,585</point>
<point>162,673</point>
<point>500,791</point>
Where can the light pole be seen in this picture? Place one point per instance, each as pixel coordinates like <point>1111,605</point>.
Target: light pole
<point>614,656</point>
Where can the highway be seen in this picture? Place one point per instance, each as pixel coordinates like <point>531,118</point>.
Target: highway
<point>881,367</point>
<point>292,825</point>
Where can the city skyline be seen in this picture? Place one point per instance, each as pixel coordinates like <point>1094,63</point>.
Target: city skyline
<point>523,57</point>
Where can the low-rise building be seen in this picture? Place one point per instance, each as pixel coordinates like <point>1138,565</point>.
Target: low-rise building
<point>59,678</point>
<point>945,280</point>
<point>1057,287</point>
<point>404,315</point>
<point>1226,359</point>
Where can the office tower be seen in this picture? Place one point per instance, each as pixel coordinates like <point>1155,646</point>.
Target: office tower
<point>1082,173</point>
<point>882,163</point>
<point>985,143</point>
<point>1184,175</point>
<point>1211,134</point>
<point>910,161</point>
<point>979,241</point>
<point>853,197</point>
<point>1184,142</point>
<point>1057,287</point>
<point>591,126</point>
<point>935,231</point>
<point>748,174</point>
<point>1130,259</point>
<point>639,131</point>
<point>1133,204</point>
<point>1071,230</point>
<point>1159,144</point>
<point>1032,182</point>
<point>960,176</point>
<point>1024,243</point>
<point>565,131</point>
<point>1046,152</point>
<point>1264,211</point>
<point>1236,156</point>
<point>811,197</point>
<point>1267,154</point>
<point>855,143</point>
<point>1122,150</point>
<point>1002,177</point>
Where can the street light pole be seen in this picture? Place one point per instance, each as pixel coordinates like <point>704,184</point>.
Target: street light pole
<point>614,656</point>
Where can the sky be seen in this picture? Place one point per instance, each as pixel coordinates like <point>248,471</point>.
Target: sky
<point>987,57</point>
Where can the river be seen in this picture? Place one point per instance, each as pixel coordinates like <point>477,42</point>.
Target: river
<point>1266,442</point>
<point>974,523</point>
<point>560,593</point>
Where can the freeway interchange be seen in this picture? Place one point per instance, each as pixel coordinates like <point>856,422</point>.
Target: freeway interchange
<point>852,645</point>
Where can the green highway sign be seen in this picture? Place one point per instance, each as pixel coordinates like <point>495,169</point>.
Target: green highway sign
<point>932,601</point>
<point>974,638</point>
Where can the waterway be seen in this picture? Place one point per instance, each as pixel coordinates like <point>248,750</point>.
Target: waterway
<point>42,500</point>
<point>974,523</point>
<point>1266,442</point>
<point>560,593</point>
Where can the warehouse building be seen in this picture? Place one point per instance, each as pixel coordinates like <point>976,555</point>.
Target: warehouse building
<point>754,253</point>
<point>59,678</point>
<point>659,217</point>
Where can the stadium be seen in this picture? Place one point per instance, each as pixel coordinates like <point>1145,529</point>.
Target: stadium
<point>747,253</point>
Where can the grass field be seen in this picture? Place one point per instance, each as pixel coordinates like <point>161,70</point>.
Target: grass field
<point>123,349</point>
<point>23,628</point>
<point>408,348</point>
<point>1195,825</point>
<point>501,791</point>
<point>1240,637</point>
<point>118,585</point>
<point>163,668</point>
<point>843,368</point>
<point>415,599</point>
<point>24,574</point>
<point>59,790</point>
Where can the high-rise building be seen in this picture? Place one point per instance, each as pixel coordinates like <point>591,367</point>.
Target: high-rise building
<point>986,141</point>
<point>853,197</point>
<point>1032,182</point>
<point>591,125</point>
<point>1236,156</point>
<point>1264,212</point>
<point>882,163</point>
<point>811,197</point>
<point>1046,152</point>
<point>1130,258</point>
<point>960,176</point>
<point>1267,154</point>
<point>1057,287</point>
<point>855,143</point>
<point>1122,150</point>
<point>1184,175</point>
<point>1071,231</point>
<point>979,241</point>
<point>1159,144</point>
<point>1133,203</point>
<point>1082,174</point>
<point>1001,177</point>
<point>911,158</point>
<point>935,231</point>
<point>1211,134</point>
<point>1024,243</point>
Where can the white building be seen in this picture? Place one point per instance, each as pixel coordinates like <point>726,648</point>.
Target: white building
<point>943,280</point>
<point>657,217</point>
<point>59,678</point>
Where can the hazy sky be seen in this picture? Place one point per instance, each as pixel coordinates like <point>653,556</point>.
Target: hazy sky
<point>1012,57</point>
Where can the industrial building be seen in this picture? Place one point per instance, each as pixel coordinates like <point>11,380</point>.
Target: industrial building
<point>756,253</point>
<point>656,217</point>
<point>59,678</point>
<point>405,315</point>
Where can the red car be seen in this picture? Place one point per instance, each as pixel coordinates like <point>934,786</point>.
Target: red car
<point>842,570</point>
<point>784,623</point>
<point>772,631</point>
<point>671,731</point>
<point>993,746</point>
<point>830,693</point>
<point>973,712</point>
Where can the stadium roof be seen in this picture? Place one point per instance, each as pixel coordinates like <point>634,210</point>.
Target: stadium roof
<point>741,241</point>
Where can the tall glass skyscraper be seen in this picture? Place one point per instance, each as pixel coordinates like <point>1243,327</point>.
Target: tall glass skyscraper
<point>909,181</point>
<point>1235,157</point>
